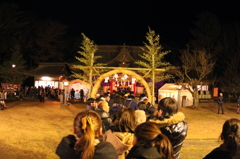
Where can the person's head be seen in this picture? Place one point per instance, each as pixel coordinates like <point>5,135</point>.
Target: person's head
<point>140,116</point>
<point>118,101</point>
<point>87,126</point>
<point>106,96</point>
<point>148,134</point>
<point>124,120</point>
<point>103,105</point>
<point>231,135</point>
<point>91,102</point>
<point>145,100</point>
<point>167,107</point>
<point>131,96</point>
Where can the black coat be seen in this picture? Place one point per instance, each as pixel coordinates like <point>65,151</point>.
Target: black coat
<point>106,120</point>
<point>221,152</point>
<point>175,129</point>
<point>103,150</point>
<point>139,152</point>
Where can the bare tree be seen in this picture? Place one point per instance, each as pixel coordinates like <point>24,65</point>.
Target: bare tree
<point>196,65</point>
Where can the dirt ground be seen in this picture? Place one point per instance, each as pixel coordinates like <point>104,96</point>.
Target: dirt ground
<point>30,129</point>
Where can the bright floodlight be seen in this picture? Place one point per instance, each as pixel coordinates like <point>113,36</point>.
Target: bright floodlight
<point>45,78</point>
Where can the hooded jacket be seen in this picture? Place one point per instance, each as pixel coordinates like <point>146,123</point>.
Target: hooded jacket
<point>103,150</point>
<point>122,141</point>
<point>175,129</point>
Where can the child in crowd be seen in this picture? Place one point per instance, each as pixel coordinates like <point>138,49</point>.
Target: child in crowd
<point>171,123</point>
<point>150,143</point>
<point>87,143</point>
<point>121,133</point>
<point>230,149</point>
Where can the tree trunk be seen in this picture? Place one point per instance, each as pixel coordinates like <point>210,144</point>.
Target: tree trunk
<point>195,100</point>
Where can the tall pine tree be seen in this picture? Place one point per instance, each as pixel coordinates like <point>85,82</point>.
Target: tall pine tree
<point>153,60</point>
<point>87,61</point>
<point>14,69</point>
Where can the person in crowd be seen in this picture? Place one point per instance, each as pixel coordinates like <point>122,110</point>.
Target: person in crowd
<point>145,105</point>
<point>72,93</point>
<point>171,123</point>
<point>81,94</point>
<point>130,103</point>
<point>86,143</point>
<point>52,92</point>
<point>140,117</point>
<point>220,101</point>
<point>106,96</point>
<point>2,100</point>
<point>230,149</point>
<point>121,133</point>
<point>103,111</point>
<point>42,96</point>
<point>91,104</point>
<point>118,104</point>
<point>150,143</point>
<point>142,104</point>
<point>17,93</point>
<point>111,100</point>
<point>238,105</point>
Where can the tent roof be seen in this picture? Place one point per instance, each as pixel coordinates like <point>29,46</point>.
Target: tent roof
<point>169,86</point>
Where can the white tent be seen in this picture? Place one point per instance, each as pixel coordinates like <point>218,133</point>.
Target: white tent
<point>174,91</point>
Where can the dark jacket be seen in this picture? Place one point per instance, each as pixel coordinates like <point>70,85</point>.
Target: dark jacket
<point>103,150</point>
<point>89,107</point>
<point>220,100</point>
<point>131,104</point>
<point>221,153</point>
<point>175,129</point>
<point>139,152</point>
<point>114,109</point>
<point>106,120</point>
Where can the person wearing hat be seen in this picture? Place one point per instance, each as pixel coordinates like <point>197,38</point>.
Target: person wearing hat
<point>145,105</point>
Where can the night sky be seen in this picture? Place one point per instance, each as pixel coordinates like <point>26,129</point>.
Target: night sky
<point>114,22</point>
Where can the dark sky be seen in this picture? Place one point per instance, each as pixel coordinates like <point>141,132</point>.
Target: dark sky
<point>113,22</point>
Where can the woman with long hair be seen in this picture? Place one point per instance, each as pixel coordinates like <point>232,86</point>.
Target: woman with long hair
<point>150,143</point>
<point>230,149</point>
<point>121,133</point>
<point>87,143</point>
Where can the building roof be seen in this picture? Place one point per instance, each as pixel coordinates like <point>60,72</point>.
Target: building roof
<point>51,69</point>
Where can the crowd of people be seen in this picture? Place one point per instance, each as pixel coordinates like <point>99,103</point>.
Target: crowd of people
<point>133,127</point>
<point>118,126</point>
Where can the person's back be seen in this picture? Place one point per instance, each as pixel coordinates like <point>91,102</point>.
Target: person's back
<point>103,111</point>
<point>121,133</point>
<point>230,149</point>
<point>86,144</point>
<point>150,143</point>
<point>130,103</point>
<point>171,123</point>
